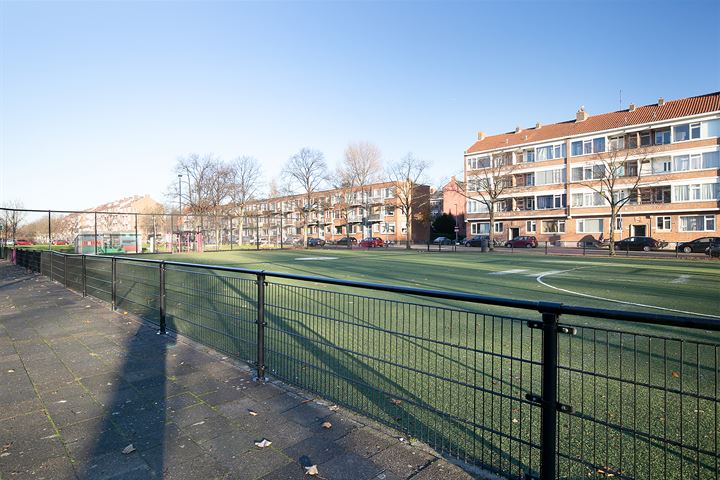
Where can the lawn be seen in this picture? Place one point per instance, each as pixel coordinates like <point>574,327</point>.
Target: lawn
<point>455,375</point>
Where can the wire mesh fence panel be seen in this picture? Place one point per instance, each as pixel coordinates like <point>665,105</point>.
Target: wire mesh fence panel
<point>137,289</point>
<point>98,277</point>
<point>58,268</point>
<point>645,406</point>
<point>215,308</point>
<point>45,259</point>
<point>453,378</point>
<point>74,273</point>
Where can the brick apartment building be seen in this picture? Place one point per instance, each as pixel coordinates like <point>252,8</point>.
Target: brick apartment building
<point>671,147</point>
<point>373,211</point>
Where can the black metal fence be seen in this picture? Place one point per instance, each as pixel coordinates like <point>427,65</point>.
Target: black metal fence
<point>522,389</point>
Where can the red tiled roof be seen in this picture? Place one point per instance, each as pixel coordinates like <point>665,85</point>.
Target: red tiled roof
<point>595,123</point>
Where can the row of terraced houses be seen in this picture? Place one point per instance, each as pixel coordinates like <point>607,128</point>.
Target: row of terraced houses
<point>673,146</point>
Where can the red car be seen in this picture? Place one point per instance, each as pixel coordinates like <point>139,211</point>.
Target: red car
<point>59,242</point>
<point>23,242</point>
<point>522,242</point>
<point>371,242</point>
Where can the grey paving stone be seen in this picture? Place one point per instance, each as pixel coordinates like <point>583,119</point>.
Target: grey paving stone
<point>366,442</point>
<point>313,450</point>
<point>174,449</point>
<point>202,467</point>
<point>113,465</point>
<point>238,408</point>
<point>11,409</point>
<point>307,413</point>
<point>73,409</point>
<point>228,448</point>
<point>257,463</point>
<point>349,466</point>
<point>208,428</point>
<point>442,469</point>
<point>188,416</point>
<point>92,438</point>
<point>402,460</point>
<point>56,468</point>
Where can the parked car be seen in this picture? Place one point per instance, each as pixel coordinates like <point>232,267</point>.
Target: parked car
<point>640,243</point>
<point>524,242</point>
<point>699,245</point>
<point>476,241</point>
<point>346,240</point>
<point>316,242</point>
<point>713,251</point>
<point>23,242</point>
<point>371,242</point>
<point>442,241</point>
<point>59,242</point>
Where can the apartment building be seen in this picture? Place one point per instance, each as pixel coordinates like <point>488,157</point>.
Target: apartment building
<point>374,211</point>
<point>670,174</point>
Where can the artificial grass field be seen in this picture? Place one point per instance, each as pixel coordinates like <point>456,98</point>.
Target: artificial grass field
<point>455,375</point>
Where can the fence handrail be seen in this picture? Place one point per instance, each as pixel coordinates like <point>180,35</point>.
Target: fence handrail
<point>698,323</point>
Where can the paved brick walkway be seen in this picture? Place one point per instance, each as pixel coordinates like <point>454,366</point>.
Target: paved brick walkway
<point>79,383</point>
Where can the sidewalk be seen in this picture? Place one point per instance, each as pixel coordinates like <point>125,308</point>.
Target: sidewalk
<point>79,384</point>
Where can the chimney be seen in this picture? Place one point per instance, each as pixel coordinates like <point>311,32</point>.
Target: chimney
<point>581,115</point>
<point>481,135</point>
<point>631,107</point>
<point>518,129</point>
<point>661,102</point>
<point>538,126</point>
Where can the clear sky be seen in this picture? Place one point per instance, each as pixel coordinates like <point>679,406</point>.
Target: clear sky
<point>97,100</point>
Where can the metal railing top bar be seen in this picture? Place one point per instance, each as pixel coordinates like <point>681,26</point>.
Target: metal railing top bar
<point>699,323</point>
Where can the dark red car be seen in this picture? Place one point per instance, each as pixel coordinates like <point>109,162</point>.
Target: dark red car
<point>23,242</point>
<point>522,242</point>
<point>59,242</point>
<point>371,242</point>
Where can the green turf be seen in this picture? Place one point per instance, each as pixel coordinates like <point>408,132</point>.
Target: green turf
<point>455,375</point>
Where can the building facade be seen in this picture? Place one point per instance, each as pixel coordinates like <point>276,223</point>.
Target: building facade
<point>374,211</point>
<point>668,169</point>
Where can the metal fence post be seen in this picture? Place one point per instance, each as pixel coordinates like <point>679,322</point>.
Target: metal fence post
<point>84,277</point>
<point>113,279</point>
<point>163,301</point>
<point>546,247</point>
<point>548,419</point>
<point>261,328</point>
<point>65,270</point>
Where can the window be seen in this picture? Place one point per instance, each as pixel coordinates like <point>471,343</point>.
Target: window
<point>645,139</point>
<point>696,161</point>
<point>550,152</point>
<point>552,226</point>
<point>550,201</point>
<point>529,156</point>
<point>388,227</point>
<point>475,206</point>
<point>530,226</point>
<point>586,147</point>
<point>687,131</point>
<point>480,228</point>
<point>590,225</point>
<point>548,177</point>
<point>617,143</point>
<point>591,199</point>
<point>662,137</point>
<point>662,223</point>
<point>704,191</point>
<point>618,223</point>
<point>498,227</point>
<point>389,211</point>
<point>697,223</point>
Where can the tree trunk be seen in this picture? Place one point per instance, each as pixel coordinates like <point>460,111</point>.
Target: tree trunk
<point>407,229</point>
<point>613,216</point>
<point>491,245</point>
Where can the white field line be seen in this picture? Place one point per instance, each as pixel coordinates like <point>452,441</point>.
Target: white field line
<point>316,258</point>
<point>542,274</point>
<point>508,272</point>
<point>681,279</point>
<point>539,279</point>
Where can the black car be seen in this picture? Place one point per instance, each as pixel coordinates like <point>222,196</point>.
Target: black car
<point>639,243</point>
<point>315,242</point>
<point>476,241</point>
<point>713,251</point>
<point>699,245</point>
<point>345,240</point>
<point>442,241</point>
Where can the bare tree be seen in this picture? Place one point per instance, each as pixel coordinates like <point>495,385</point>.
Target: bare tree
<point>491,179</point>
<point>12,218</point>
<point>362,166</point>
<point>406,175</point>
<point>343,182</point>
<point>308,171</point>
<point>246,177</point>
<point>616,176</point>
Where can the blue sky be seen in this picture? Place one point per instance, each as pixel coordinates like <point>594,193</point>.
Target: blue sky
<point>97,100</point>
